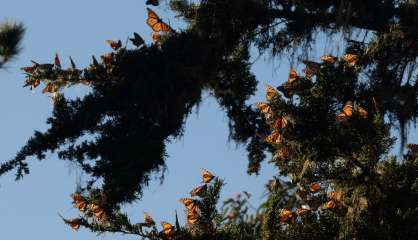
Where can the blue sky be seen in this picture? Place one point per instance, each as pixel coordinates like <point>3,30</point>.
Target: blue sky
<point>79,28</point>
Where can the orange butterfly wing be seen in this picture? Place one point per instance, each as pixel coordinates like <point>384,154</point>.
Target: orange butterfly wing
<point>206,176</point>
<point>271,92</point>
<point>165,27</point>
<point>152,19</point>
<point>155,22</point>
<point>346,113</point>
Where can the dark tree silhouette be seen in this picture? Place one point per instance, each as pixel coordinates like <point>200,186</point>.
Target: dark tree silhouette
<point>10,37</point>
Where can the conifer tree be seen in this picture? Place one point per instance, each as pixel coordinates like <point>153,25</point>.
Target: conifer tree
<point>327,127</point>
<point>10,37</point>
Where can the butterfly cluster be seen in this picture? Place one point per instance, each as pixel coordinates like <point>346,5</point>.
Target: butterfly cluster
<point>192,205</point>
<point>91,210</point>
<point>278,123</point>
<point>55,78</point>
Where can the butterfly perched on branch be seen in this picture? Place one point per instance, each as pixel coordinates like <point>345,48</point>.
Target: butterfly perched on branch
<point>115,45</point>
<point>156,23</point>
<point>347,112</point>
<point>137,41</point>
<point>289,86</point>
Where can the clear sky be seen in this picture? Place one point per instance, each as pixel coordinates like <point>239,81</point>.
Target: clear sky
<point>79,28</point>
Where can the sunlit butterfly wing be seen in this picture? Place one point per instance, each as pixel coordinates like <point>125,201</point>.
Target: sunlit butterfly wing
<point>152,18</point>
<point>189,203</point>
<point>329,205</point>
<point>350,59</point>
<point>328,59</point>
<point>263,107</point>
<point>346,113</point>
<point>114,45</point>
<point>167,228</point>
<point>51,88</point>
<point>275,137</point>
<point>81,206</point>
<point>285,215</point>
<point>206,176</point>
<point>165,27</point>
<point>192,218</point>
<point>271,92</point>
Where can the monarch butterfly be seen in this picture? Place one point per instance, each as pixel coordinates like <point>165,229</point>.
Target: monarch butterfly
<point>274,137</point>
<point>192,218</point>
<point>199,191</point>
<point>152,2</point>
<point>167,228</point>
<point>51,88</point>
<point>114,45</point>
<point>189,204</point>
<point>346,113</point>
<point>57,61</point>
<point>74,223</point>
<point>281,122</point>
<point>263,107</point>
<point>285,215</point>
<point>97,211</point>
<point>271,92</point>
<point>329,205</point>
<point>156,24</point>
<point>32,82</point>
<point>288,86</point>
<point>149,222</point>
<point>137,40</point>
<point>81,206</point>
<point>328,59</point>
<point>107,58</point>
<point>350,59</point>
<point>282,153</point>
<point>314,187</point>
<point>206,176</point>
<point>29,69</point>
